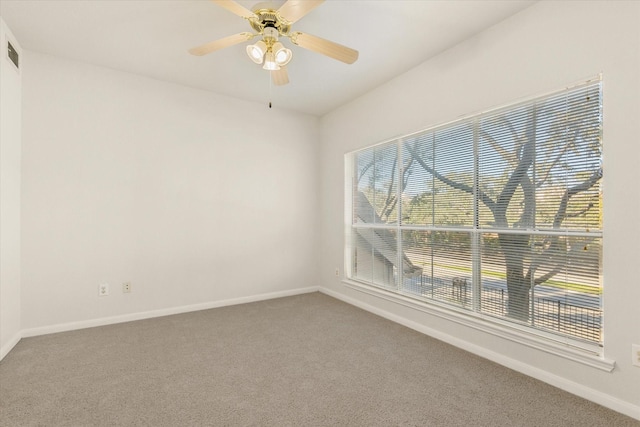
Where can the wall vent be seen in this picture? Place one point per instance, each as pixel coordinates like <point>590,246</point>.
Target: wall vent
<point>13,55</point>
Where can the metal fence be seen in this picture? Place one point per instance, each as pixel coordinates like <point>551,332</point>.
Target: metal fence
<point>548,314</point>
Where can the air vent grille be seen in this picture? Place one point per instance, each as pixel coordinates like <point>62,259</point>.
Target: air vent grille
<point>13,55</point>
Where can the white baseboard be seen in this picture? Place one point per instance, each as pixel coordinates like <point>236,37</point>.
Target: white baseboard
<point>5,349</point>
<point>71,326</point>
<point>593,395</point>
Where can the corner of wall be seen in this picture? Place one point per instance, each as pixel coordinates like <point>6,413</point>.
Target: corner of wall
<point>10,170</point>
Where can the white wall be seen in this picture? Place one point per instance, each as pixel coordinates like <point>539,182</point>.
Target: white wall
<point>546,47</point>
<point>194,198</point>
<point>10,129</point>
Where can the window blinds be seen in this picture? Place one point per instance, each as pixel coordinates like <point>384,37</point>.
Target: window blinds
<point>499,214</point>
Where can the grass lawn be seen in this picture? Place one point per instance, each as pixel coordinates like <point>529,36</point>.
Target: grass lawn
<point>572,286</point>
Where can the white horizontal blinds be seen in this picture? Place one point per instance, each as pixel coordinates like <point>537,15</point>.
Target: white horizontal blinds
<point>534,155</point>
<point>416,184</point>
<point>418,249</point>
<point>506,146</point>
<point>375,256</point>
<point>377,182</point>
<point>453,168</point>
<point>566,298</point>
<point>442,265</point>
<point>535,244</point>
<point>418,191</point>
<point>494,292</point>
<point>364,174</point>
<point>568,199</point>
<point>375,203</point>
<point>452,267</point>
<point>439,177</point>
<point>439,193</point>
<point>539,169</point>
<point>568,161</point>
<point>362,252</point>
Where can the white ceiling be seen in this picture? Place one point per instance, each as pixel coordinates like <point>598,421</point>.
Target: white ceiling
<point>151,38</point>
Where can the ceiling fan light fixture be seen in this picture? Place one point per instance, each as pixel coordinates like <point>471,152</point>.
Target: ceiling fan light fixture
<point>268,24</point>
<point>270,62</point>
<point>256,51</point>
<point>282,54</point>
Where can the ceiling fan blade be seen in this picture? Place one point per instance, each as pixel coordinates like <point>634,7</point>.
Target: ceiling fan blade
<point>236,8</point>
<point>325,47</point>
<point>220,44</point>
<point>293,10</point>
<point>280,77</point>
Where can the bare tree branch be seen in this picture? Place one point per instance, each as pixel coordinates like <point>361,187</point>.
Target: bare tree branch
<point>392,200</point>
<point>406,172</point>
<point>557,159</point>
<point>386,210</point>
<point>561,214</point>
<point>489,203</point>
<point>509,157</point>
<point>366,168</point>
<point>580,212</point>
<point>546,276</point>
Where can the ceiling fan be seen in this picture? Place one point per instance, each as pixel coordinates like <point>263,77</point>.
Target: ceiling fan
<point>270,24</point>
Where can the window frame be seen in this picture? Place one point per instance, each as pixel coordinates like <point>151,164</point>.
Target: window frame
<point>583,352</point>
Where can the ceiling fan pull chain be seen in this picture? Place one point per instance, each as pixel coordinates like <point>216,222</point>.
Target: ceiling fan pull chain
<point>270,88</point>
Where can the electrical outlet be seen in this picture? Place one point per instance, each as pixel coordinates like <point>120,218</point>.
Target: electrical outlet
<point>635,355</point>
<point>126,287</point>
<point>103,289</point>
<point>337,272</point>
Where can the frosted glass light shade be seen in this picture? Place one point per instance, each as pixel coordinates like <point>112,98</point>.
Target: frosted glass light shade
<point>270,62</point>
<point>282,54</point>
<point>256,51</point>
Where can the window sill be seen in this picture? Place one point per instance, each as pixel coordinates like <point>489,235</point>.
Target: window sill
<point>586,356</point>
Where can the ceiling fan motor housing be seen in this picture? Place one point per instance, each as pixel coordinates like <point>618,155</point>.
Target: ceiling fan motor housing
<point>269,18</point>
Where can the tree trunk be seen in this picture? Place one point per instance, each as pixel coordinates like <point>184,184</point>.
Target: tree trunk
<point>513,248</point>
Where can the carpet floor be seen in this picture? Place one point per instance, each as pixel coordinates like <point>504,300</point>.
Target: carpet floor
<point>306,360</point>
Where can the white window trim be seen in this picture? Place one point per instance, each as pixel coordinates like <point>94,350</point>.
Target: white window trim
<point>587,355</point>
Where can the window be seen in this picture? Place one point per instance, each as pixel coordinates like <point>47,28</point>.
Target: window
<point>497,216</point>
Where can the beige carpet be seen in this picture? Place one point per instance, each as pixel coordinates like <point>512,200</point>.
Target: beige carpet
<point>306,360</point>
